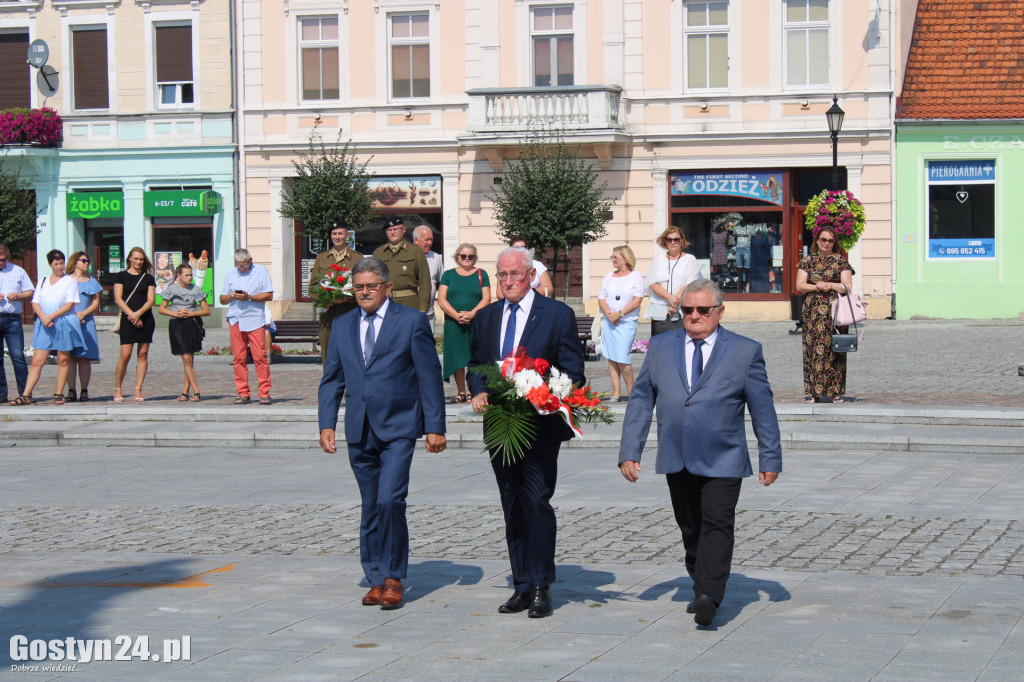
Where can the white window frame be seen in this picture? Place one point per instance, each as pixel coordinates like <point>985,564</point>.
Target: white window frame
<point>383,48</point>
<point>301,44</point>
<point>302,9</point>
<point>806,27</point>
<point>551,34</point>
<point>391,42</point>
<point>68,26</point>
<point>707,31</point>
<point>161,19</point>
<point>524,31</point>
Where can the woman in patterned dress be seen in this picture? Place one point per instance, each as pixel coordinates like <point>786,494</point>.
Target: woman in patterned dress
<point>821,277</point>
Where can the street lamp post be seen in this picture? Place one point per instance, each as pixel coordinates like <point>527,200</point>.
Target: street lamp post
<point>835,115</point>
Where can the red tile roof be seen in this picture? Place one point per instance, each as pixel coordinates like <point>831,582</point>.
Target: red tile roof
<point>966,61</point>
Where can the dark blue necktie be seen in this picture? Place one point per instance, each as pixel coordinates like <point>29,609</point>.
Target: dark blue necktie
<point>697,365</point>
<point>510,330</point>
<point>368,340</point>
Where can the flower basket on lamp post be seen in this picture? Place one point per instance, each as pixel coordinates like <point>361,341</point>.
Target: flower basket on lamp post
<point>839,211</point>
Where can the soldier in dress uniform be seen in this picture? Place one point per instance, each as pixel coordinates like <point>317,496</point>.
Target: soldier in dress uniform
<point>338,253</point>
<point>410,274</point>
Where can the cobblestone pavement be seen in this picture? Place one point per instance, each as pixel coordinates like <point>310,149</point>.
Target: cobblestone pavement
<point>797,541</point>
<point>919,514</point>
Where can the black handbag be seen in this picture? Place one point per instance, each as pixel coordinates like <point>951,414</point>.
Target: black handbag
<point>846,343</point>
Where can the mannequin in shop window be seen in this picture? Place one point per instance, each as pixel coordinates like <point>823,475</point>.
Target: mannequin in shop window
<point>760,259</point>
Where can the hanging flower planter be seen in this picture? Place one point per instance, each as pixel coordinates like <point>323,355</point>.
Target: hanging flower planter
<point>40,127</point>
<point>839,211</point>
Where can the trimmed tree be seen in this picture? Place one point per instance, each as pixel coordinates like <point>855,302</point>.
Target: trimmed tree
<point>329,187</point>
<point>17,210</point>
<point>550,196</point>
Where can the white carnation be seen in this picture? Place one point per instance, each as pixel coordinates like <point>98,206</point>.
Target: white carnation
<point>525,380</point>
<point>560,384</point>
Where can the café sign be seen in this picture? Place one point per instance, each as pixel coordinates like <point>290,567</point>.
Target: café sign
<point>179,203</point>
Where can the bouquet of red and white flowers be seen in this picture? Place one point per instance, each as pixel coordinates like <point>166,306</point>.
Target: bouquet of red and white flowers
<point>521,387</point>
<point>334,286</point>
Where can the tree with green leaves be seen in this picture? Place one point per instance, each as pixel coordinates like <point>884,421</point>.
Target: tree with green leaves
<point>17,210</point>
<point>550,196</point>
<point>329,187</point>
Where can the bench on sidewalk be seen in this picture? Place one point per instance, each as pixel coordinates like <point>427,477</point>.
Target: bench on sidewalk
<point>584,325</point>
<point>298,331</point>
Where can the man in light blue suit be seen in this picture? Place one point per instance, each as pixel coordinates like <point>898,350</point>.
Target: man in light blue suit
<point>701,378</point>
<point>384,356</point>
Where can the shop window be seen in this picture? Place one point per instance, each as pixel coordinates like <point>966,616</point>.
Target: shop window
<point>806,29</point>
<point>318,50</point>
<point>961,210</point>
<point>174,80</point>
<point>104,239</point>
<point>552,37</point>
<point>734,223</point>
<point>174,239</point>
<point>15,74</point>
<point>707,45</point>
<point>409,42</point>
<point>91,87</point>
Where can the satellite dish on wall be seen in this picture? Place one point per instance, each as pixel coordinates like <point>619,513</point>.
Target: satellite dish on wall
<point>47,81</point>
<point>38,53</point>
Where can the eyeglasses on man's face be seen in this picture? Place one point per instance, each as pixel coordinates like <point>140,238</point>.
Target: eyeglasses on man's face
<point>3,259</point>
<point>371,288</point>
<point>515,275</point>
<point>702,310</point>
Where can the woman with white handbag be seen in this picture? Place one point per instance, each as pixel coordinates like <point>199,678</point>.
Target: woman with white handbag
<point>821,277</point>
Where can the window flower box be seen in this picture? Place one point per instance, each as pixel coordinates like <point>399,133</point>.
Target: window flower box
<point>40,127</point>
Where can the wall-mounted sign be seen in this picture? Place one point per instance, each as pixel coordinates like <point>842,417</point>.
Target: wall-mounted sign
<point>760,185</point>
<point>961,209</point>
<point>406,192</point>
<point>179,203</point>
<point>90,205</point>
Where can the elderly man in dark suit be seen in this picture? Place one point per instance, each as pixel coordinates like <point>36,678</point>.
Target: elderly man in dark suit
<point>546,329</point>
<point>383,354</point>
<point>701,378</point>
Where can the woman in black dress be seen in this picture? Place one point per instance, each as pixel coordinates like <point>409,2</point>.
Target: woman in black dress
<point>134,294</point>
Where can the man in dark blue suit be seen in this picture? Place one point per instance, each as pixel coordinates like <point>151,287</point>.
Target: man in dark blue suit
<point>546,329</point>
<point>384,356</point>
<point>701,379</point>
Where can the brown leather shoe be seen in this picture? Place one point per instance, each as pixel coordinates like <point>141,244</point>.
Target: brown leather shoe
<point>392,597</point>
<point>372,598</point>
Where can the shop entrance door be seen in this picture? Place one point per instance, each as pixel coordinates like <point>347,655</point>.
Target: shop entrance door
<point>105,246</point>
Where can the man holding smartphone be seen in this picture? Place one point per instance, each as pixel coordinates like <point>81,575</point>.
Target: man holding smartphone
<point>246,290</point>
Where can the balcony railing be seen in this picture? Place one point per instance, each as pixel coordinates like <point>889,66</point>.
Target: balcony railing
<point>569,108</point>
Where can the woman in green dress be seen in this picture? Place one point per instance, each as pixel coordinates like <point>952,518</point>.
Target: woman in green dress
<point>463,291</point>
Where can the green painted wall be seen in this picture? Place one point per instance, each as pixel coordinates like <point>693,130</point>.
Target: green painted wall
<point>949,288</point>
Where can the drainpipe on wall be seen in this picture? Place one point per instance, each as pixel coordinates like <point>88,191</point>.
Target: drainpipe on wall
<point>894,51</point>
<point>236,125</point>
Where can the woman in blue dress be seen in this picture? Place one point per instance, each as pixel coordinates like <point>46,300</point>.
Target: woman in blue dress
<point>89,302</point>
<point>57,328</point>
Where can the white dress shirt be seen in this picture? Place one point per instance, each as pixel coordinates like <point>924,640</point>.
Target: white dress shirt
<point>363,324</point>
<point>522,315</point>
<point>709,344</point>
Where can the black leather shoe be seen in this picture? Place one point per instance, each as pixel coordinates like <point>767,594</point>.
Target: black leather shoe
<point>704,610</point>
<point>540,602</point>
<point>520,601</point>
<point>690,608</point>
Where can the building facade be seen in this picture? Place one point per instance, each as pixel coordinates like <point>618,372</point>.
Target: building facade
<point>705,115</point>
<point>960,161</point>
<point>145,93</point>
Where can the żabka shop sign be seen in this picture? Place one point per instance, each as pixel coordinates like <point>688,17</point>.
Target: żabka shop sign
<point>90,205</point>
<point>179,203</point>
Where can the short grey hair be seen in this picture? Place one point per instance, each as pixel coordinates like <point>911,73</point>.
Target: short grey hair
<point>525,256</point>
<point>374,265</point>
<point>242,255</point>
<point>699,285</point>
<point>419,230</point>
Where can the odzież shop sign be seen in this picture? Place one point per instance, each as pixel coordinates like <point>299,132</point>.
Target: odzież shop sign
<point>91,205</point>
